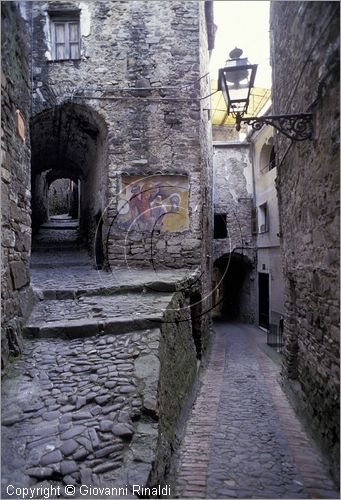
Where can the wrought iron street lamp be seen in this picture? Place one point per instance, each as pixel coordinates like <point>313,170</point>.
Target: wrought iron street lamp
<point>236,80</point>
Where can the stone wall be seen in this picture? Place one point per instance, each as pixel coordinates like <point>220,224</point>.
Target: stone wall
<point>177,354</point>
<point>233,195</point>
<point>60,195</point>
<point>305,63</point>
<point>15,198</point>
<point>139,71</point>
<point>201,302</point>
<point>234,255</point>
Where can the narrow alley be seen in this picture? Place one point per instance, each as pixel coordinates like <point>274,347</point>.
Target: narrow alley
<point>243,439</point>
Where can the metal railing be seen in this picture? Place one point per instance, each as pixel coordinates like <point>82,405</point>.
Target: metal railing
<point>275,337</point>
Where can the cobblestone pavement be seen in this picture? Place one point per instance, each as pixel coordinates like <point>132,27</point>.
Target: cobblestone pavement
<point>86,280</point>
<point>243,439</point>
<point>96,314</point>
<point>75,410</point>
<point>80,406</point>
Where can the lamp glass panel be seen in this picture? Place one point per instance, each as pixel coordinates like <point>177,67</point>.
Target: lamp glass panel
<point>238,78</point>
<point>238,94</point>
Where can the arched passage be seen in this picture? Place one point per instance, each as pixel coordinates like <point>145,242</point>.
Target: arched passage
<point>233,287</point>
<point>68,148</point>
<point>61,194</point>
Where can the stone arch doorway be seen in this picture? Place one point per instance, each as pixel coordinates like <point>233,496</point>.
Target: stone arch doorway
<point>63,198</point>
<point>68,144</point>
<point>233,288</point>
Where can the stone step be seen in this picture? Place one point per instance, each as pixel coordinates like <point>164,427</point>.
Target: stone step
<point>61,217</point>
<point>73,282</point>
<point>56,246</point>
<point>71,226</point>
<point>88,328</point>
<point>91,315</point>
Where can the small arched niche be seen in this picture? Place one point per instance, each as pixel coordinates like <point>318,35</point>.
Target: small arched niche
<point>267,157</point>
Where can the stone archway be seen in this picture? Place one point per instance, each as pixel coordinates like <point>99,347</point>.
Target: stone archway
<point>69,142</point>
<point>233,285</point>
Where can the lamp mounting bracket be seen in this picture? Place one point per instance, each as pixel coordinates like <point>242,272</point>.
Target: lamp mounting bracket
<point>298,127</point>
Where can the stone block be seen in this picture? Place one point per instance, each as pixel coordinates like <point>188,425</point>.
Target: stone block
<point>20,274</point>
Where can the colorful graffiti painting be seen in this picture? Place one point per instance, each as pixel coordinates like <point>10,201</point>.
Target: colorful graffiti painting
<point>158,202</point>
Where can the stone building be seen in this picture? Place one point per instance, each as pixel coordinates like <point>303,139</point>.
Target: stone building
<point>234,250</point>
<point>124,112</point>
<point>115,101</point>
<point>269,278</point>
<point>15,178</point>
<point>60,197</point>
<point>243,244</point>
<point>305,65</point>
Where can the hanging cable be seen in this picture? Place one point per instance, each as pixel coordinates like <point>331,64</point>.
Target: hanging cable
<point>209,95</point>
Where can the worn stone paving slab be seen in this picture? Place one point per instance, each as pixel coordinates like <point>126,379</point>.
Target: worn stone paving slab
<point>90,315</point>
<point>81,280</point>
<point>239,447</point>
<point>75,411</point>
<point>57,234</point>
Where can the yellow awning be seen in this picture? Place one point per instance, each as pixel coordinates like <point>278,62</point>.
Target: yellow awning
<point>258,99</point>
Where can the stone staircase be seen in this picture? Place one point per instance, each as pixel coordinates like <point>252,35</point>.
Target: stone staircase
<point>88,402</point>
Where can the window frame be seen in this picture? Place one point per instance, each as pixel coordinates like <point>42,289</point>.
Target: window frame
<point>263,214</point>
<point>65,19</point>
<point>267,157</point>
<point>218,233</point>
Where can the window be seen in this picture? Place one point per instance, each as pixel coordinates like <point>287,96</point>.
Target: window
<point>272,161</point>
<point>267,160</point>
<point>65,35</point>
<point>220,230</point>
<point>263,218</point>
<point>254,228</point>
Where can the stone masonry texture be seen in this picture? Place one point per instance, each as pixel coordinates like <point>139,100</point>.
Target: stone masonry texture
<point>243,439</point>
<point>129,106</point>
<point>15,179</point>
<point>109,360</point>
<point>133,104</point>
<point>233,200</point>
<point>305,65</point>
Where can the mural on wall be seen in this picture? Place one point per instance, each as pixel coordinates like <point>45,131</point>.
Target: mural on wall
<point>157,202</point>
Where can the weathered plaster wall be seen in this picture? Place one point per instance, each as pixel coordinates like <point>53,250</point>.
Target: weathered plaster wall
<point>233,196</point>
<point>268,243</point>
<point>233,193</point>
<point>15,178</point>
<point>305,63</point>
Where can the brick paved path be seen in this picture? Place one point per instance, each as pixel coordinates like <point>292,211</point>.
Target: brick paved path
<point>243,439</point>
